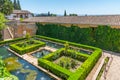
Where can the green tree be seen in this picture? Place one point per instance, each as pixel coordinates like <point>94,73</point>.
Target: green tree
<point>6,7</point>
<point>18,4</point>
<point>15,4</point>
<point>49,14</point>
<point>53,14</point>
<point>2,21</point>
<point>65,13</point>
<point>73,15</point>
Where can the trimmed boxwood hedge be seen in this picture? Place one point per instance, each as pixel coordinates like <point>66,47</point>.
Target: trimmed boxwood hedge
<point>9,41</point>
<point>71,43</point>
<point>27,49</point>
<point>47,63</point>
<point>82,72</point>
<point>87,66</point>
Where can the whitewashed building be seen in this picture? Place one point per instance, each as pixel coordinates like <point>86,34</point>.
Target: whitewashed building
<point>18,14</point>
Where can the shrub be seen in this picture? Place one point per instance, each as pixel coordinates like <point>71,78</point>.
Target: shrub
<point>82,72</point>
<point>22,50</point>
<point>59,71</point>
<point>47,63</point>
<point>10,41</point>
<point>103,36</point>
<point>70,43</point>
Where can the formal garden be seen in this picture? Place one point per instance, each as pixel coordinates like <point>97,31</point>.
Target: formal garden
<point>66,62</point>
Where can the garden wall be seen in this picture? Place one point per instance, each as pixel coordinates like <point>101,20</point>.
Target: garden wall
<point>103,37</point>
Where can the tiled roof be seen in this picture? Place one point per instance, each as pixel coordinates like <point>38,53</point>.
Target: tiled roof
<point>20,11</point>
<point>98,20</point>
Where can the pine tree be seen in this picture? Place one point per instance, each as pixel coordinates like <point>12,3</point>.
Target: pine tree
<point>65,14</point>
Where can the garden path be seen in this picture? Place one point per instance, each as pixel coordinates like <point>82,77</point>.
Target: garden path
<point>113,72</point>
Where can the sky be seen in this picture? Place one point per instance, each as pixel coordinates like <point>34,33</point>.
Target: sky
<point>81,7</point>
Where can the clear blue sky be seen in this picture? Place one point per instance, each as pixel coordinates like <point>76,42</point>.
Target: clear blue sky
<point>90,7</point>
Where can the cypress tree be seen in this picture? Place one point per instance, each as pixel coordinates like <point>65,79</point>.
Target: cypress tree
<point>18,4</point>
<point>65,13</point>
<point>15,4</point>
<point>49,14</point>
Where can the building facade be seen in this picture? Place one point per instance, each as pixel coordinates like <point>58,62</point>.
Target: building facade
<point>19,14</point>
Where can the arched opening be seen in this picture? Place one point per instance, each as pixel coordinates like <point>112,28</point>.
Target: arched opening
<point>21,16</point>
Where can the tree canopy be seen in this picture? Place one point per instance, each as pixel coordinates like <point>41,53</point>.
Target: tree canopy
<point>2,21</point>
<point>6,7</point>
<point>73,14</point>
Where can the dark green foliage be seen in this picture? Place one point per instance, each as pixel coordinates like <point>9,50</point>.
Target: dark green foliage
<point>6,7</point>
<point>65,13</point>
<point>49,14</point>
<point>25,47</point>
<point>17,5</point>
<point>73,15</point>
<point>103,37</point>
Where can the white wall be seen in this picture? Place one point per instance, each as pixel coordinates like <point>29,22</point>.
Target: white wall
<point>12,16</point>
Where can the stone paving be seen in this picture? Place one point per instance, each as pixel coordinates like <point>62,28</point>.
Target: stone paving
<point>113,72</point>
<point>30,59</point>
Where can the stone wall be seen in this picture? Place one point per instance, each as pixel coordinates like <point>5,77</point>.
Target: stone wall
<point>25,27</point>
<point>18,29</point>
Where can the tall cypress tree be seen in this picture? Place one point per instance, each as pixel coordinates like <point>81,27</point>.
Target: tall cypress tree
<point>49,14</point>
<point>15,4</point>
<point>18,4</point>
<point>65,13</point>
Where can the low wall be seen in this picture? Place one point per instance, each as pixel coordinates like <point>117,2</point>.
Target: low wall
<point>19,28</point>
